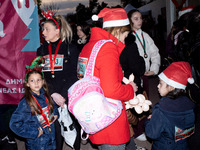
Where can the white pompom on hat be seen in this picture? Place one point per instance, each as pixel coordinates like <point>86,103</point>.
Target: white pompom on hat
<point>178,74</point>
<point>112,17</point>
<point>185,10</point>
<point>95,18</point>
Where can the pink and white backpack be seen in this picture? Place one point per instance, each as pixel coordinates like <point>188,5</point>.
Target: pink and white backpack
<point>87,102</point>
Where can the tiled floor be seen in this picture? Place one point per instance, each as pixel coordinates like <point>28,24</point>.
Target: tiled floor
<point>86,145</point>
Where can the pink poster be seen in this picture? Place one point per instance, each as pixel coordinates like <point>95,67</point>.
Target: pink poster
<point>19,40</point>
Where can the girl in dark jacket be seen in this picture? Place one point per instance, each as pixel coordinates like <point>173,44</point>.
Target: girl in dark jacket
<point>35,115</point>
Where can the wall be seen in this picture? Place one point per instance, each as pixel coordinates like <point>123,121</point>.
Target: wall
<point>155,8</point>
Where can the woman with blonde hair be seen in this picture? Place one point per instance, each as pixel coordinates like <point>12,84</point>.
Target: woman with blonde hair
<point>107,68</point>
<point>60,64</point>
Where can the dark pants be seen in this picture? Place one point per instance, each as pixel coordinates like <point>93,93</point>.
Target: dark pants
<point>59,137</point>
<point>77,143</point>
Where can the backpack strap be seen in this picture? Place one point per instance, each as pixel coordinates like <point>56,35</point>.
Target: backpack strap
<point>90,67</point>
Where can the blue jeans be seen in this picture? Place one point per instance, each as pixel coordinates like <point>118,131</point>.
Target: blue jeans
<point>112,147</point>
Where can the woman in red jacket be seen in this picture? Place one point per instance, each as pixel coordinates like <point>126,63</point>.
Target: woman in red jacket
<point>107,68</point>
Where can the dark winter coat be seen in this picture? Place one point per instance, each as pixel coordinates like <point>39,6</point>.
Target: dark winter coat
<point>26,125</point>
<point>172,121</point>
<point>65,70</point>
<point>132,62</point>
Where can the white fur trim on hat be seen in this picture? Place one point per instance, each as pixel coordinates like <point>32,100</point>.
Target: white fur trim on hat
<point>116,23</point>
<point>191,80</point>
<point>95,18</point>
<point>175,84</point>
<point>185,10</point>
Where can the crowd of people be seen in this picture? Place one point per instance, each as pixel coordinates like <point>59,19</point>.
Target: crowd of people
<point>172,124</point>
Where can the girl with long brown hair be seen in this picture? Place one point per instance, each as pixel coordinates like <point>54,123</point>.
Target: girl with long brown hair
<point>35,115</point>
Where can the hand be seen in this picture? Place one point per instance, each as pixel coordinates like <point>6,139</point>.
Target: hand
<point>149,117</point>
<point>149,73</point>
<point>58,99</point>
<point>40,132</point>
<point>135,87</point>
<point>55,117</point>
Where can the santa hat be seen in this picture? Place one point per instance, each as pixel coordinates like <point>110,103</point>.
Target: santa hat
<point>112,17</point>
<point>185,10</point>
<point>177,75</point>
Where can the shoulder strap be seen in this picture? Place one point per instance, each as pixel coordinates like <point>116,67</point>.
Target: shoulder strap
<point>90,67</point>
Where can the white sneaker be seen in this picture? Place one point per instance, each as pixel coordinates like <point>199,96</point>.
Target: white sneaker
<point>142,137</point>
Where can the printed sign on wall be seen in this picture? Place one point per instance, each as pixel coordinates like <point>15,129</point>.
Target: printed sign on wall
<point>19,40</point>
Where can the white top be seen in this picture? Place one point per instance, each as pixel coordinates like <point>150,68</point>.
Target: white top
<point>152,62</point>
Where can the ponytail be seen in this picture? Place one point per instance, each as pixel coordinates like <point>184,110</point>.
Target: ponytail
<point>65,29</point>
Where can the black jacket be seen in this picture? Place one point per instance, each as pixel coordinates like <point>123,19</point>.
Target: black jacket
<point>172,121</point>
<point>132,62</point>
<point>67,75</point>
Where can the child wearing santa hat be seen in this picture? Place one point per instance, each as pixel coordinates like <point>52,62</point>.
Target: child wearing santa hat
<point>172,119</point>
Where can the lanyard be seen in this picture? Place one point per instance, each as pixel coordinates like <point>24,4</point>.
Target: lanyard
<point>43,115</point>
<point>52,62</point>
<point>143,45</point>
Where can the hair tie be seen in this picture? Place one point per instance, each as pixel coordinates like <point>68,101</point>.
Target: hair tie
<point>48,15</point>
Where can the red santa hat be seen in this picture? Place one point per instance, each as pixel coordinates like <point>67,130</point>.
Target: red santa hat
<point>185,10</point>
<point>177,75</point>
<point>112,17</point>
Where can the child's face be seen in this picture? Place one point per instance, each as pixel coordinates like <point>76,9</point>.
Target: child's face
<point>35,82</point>
<point>136,19</point>
<point>50,32</point>
<point>163,88</point>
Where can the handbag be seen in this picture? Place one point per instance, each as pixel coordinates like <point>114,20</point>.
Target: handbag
<point>87,102</point>
<point>68,130</point>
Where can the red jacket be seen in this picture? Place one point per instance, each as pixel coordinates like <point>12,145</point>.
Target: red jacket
<point>108,69</point>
